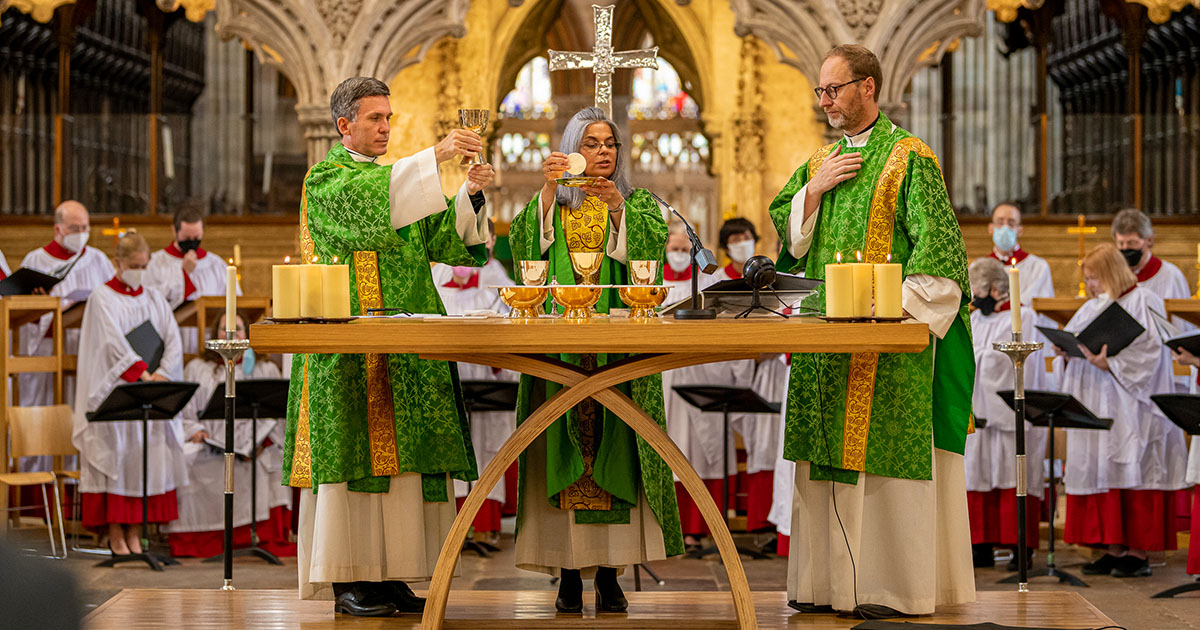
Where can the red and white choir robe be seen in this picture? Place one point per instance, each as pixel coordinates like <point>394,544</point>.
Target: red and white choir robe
<point>1167,282</point>
<point>783,487</point>
<point>92,270</point>
<point>699,435</point>
<point>990,455</point>
<point>760,434</point>
<point>1121,483</point>
<point>732,271</point>
<point>165,273</point>
<point>681,283</point>
<point>110,453</point>
<point>4,270</point>
<point>489,429</point>
<point>200,529</point>
<point>1035,275</point>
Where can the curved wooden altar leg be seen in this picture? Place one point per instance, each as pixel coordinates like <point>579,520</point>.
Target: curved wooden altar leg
<point>578,384</point>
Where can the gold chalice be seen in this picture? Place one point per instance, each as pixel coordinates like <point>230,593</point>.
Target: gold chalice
<point>587,266</point>
<point>474,120</point>
<point>642,300</point>
<point>534,273</point>
<point>525,302</point>
<point>577,301</point>
<point>643,271</point>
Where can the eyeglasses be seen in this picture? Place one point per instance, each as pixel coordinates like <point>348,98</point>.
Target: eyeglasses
<point>593,146</point>
<point>832,90</point>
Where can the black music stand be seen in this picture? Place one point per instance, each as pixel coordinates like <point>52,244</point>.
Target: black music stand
<point>145,401</point>
<point>485,396</point>
<point>1184,411</point>
<point>1054,410</point>
<point>726,400</point>
<point>264,397</point>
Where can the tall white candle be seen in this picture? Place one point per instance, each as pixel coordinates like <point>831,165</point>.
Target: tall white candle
<point>1014,297</point>
<point>230,298</point>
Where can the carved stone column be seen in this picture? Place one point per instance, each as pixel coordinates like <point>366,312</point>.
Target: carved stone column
<point>318,129</point>
<point>749,133</point>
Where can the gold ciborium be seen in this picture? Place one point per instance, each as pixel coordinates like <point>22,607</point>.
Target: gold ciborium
<point>534,273</point>
<point>643,272</point>
<point>525,302</point>
<point>587,266</point>
<point>577,301</point>
<point>474,120</point>
<point>642,300</point>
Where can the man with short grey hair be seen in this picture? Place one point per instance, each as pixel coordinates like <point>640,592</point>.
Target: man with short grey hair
<point>375,440</point>
<point>1134,236</point>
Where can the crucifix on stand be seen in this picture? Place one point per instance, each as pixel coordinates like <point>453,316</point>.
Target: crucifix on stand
<point>1083,229</point>
<point>115,231</point>
<point>603,59</point>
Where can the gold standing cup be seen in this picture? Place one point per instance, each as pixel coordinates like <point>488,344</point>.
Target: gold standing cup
<point>577,301</point>
<point>534,273</point>
<point>643,272</point>
<point>587,266</point>
<point>525,302</point>
<point>474,120</point>
<point>643,300</point>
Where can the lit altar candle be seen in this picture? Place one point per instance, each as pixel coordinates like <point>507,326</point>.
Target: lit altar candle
<point>887,289</point>
<point>285,290</point>
<point>335,290</point>
<point>230,298</point>
<point>862,274</point>
<point>839,289</point>
<point>310,289</point>
<point>1014,296</point>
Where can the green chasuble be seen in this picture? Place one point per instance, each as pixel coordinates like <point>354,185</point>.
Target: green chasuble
<point>360,418</point>
<point>870,412</point>
<point>610,456</point>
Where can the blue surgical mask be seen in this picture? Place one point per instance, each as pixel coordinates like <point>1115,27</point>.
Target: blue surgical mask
<point>248,362</point>
<point>1005,238</point>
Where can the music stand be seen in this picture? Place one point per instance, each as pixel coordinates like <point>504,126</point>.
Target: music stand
<point>726,400</point>
<point>485,396</point>
<point>264,397</point>
<point>1184,411</point>
<point>145,401</point>
<point>1064,411</point>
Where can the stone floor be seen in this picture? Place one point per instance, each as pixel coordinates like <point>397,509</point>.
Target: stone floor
<point>1126,601</point>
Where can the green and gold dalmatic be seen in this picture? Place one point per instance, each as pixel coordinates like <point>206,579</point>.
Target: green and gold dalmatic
<point>871,412</point>
<point>359,418</point>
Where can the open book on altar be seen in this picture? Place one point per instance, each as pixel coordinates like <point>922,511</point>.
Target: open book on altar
<point>1173,338</point>
<point>1114,327</point>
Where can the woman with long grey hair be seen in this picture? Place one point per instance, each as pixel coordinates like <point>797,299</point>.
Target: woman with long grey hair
<point>593,496</point>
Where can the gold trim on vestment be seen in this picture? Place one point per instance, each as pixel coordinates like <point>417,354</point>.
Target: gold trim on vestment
<point>584,227</point>
<point>381,410</point>
<point>307,249</point>
<point>302,447</point>
<point>818,158</point>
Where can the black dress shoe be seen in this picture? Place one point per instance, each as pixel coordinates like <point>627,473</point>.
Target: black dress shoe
<point>1102,566</point>
<point>609,596</point>
<point>1131,567</point>
<point>877,611</point>
<point>982,556</point>
<point>360,600</point>
<point>403,597</point>
<point>810,609</point>
<point>570,592</point>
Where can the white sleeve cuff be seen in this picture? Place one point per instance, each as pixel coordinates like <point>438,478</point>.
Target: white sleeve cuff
<point>546,231</point>
<point>933,300</point>
<point>471,226</point>
<point>415,190</point>
<point>617,248</point>
<point>800,230</point>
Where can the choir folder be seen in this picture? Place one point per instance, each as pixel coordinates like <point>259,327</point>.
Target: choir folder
<point>1114,327</point>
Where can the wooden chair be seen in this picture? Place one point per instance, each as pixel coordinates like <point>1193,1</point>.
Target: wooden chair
<point>38,431</point>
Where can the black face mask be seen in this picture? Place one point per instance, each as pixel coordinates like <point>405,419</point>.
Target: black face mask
<point>986,304</point>
<point>1132,256</point>
<point>187,246</point>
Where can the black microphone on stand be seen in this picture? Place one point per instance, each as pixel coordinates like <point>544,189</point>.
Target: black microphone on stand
<point>702,260</point>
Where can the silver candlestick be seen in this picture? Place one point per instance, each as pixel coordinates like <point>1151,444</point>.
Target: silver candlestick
<point>1017,351</point>
<point>231,349</point>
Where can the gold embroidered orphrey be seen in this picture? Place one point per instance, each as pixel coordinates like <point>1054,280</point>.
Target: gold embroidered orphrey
<point>860,388</point>
<point>381,408</point>
<point>302,452</point>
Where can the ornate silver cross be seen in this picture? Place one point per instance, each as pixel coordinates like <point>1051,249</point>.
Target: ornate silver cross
<point>603,59</point>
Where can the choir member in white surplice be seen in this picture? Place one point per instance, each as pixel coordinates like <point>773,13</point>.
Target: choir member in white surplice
<point>199,531</point>
<point>466,289</point>
<point>1192,478</point>
<point>1121,482</point>
<point>760,435</point>
<point>184,271</point>
<point>677,273</point>
<point>738,238</point>
<point>86,268</point>
<point>783,486</point>
<point>990,454</point>
<point>1005,229</point>
<point>4,270</point>
<point>110,453</point>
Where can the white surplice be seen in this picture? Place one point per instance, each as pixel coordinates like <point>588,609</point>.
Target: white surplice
<point>165,273</point>
<point>202,502</point>
<point>760,431</point>
<point>110,453</point>
<point>1143,450</point>
<point>700,435</point>
<point>682,289</point>
<point>990,454</point>
<point>92,270</point>
<point>913,568</point>
<point>4,266</point>
<point>783,490</point>
<point>1036,281</point>
<point>1169,283</point>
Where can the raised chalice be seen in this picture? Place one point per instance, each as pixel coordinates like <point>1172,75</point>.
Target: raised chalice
<point>474,120</point>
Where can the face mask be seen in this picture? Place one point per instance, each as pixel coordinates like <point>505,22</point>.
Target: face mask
<point>679,261</point>
<point>741,251</point>
<point>1132,256</point>
<point>986,304</point>
<point>1005,238</point>
<point>189,245</point>
<point>75,241</point>
<point>132,277</point>
<point>248,362</point>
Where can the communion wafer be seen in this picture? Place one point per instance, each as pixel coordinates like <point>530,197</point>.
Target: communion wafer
<point>576,163</point>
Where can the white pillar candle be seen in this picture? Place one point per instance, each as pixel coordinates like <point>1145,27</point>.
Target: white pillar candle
<point>863,291</point>
<point>335,291</point>
<point>285,291</point>
<point>888,281</point>
<point>1014,297</point>
<point>310,290</point>
<point>839,291</point>
<point>230,298</point>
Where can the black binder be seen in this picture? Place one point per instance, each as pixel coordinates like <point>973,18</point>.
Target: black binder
<point>1182,409</point>
<point>1113,327</point>
<point>25,281</point>
<point>147,343</point>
